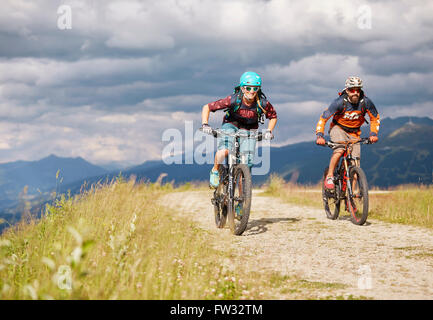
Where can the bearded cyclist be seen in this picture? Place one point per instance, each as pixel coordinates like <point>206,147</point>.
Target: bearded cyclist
<point>244,108</point>
<point>348,112</point>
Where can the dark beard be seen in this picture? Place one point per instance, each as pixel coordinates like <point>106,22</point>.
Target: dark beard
<point>353,99</point>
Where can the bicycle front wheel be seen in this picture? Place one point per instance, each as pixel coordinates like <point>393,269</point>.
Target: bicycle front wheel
<point>357,202</point>
<point>240,210</point>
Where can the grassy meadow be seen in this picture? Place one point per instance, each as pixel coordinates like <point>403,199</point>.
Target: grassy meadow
<point>114,242</point>
<point>117,241</point>
<point>406,204</point>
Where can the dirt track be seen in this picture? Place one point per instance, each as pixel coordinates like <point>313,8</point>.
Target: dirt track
<point>378,260</point>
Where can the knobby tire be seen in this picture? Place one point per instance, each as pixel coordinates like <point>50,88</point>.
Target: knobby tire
<point>242,187</point>
<point>358,204</point>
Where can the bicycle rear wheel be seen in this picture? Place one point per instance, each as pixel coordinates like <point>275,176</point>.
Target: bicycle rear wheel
<point>357,202</point>
<point>240,210</point>
<point>331,199</point>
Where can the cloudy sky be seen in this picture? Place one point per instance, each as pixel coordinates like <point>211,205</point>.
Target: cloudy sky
<point>105,84</point>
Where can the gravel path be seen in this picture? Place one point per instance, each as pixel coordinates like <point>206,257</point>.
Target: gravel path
<point>378,260</point>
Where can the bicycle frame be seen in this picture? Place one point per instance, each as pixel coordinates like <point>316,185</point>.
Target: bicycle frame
<point>232,198</point>
<point>235,157</point>
<point>343,169</point>
<point>352,186</point>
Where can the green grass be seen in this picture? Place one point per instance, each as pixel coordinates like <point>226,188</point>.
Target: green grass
<point>116,241</point>
<point>292,285</point>
<point>407,204</point>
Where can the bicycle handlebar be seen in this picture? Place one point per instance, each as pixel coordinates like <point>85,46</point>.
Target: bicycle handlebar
<point>332,144</point>
<point>252,134</point>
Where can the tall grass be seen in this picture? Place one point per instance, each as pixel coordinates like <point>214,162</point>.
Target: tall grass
<point>293,193</point>
<point>407,204</point>
<point>114,242</point>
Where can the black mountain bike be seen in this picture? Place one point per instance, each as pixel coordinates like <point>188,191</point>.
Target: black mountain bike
<point>350,185</point>
<point>232,198</point>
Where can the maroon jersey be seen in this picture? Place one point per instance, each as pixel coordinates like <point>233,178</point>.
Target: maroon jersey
<point>245,117</point>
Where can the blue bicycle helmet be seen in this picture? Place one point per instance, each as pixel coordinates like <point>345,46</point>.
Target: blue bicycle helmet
<point>250,78</point>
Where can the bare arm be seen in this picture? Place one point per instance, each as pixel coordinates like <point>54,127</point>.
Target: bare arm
<point>272,123</point>
<point>205,114</point>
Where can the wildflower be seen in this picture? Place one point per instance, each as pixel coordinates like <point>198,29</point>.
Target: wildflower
<point>5,243</point>
<point>28,289</point>
<point>132,224</point>
<point>5,288</point>
<point>76,235</point>
<point>111,243</point>
<point>75,256</point>
<point>49,263</point>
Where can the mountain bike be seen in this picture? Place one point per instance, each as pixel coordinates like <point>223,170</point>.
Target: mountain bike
<point>232,198</point>
<point>350,184</point>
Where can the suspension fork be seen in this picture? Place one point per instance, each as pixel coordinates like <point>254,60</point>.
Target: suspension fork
<point>233,161</point>
<point>231,165</point>
<point>347,178</point>
<point>230,186</point>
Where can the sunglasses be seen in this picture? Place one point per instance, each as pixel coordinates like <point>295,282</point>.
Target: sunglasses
<point>252,89</point>
<point>353,90</point>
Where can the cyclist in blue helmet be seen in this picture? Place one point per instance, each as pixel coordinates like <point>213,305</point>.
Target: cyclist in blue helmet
<point>244,108</point>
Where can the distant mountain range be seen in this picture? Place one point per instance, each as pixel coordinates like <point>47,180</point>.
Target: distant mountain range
<point>404,154</point>
<point>41,174</point>
<point>33,180</point>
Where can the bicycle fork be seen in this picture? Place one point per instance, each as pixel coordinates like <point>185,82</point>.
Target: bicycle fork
<point>230,187</point>
<point>347,178</point>
<point>230,191</point>
<point>349,186</point>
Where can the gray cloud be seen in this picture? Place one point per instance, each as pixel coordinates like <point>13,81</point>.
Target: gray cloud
<point>151,59</point>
